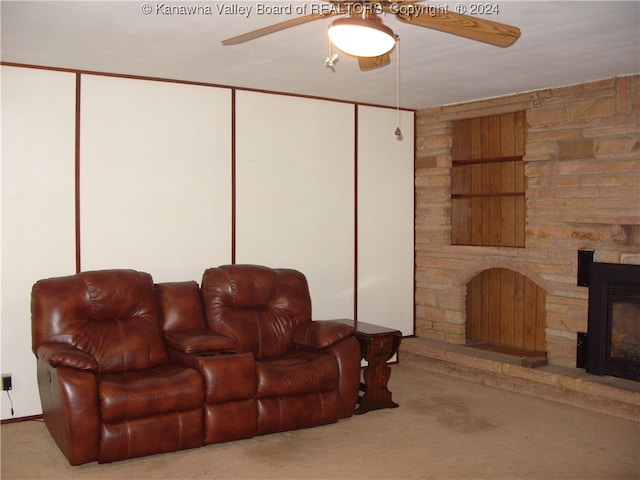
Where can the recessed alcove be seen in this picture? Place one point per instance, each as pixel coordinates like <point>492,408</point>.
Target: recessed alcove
<point>505,311</point>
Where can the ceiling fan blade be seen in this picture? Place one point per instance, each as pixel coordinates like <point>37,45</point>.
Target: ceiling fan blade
<point>474,28</point>
<point>371,63</point>
<point>261,32</point>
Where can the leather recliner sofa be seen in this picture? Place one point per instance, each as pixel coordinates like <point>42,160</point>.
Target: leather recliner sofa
<point>128,368</point>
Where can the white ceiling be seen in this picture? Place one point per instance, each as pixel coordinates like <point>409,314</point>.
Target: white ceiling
<point>562,43</point>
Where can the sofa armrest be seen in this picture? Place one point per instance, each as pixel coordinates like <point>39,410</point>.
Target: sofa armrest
<point>321,334</point>
<point>63,354</point>
<point>71,408</point>
<point>197,342</point>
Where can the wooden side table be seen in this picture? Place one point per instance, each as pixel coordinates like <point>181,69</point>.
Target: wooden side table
<point>377,346</point>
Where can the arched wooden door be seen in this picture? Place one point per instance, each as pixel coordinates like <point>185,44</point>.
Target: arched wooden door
<point>506,308</point>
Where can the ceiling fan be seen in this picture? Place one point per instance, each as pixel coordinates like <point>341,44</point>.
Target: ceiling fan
<point>361,21</point>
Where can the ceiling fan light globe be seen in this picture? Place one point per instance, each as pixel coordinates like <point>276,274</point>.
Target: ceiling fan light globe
<point>361,37</point>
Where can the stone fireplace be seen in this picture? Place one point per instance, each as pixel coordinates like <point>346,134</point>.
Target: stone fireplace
<point>613,336</point>
<point>582,171</point>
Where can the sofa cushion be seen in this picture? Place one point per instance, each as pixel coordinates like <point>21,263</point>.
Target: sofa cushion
<point>197,342</point>
<point>181,306</point>
<point>259,307</point>
<point>149,435</point>
<point>165,388</point>
<point>112,315</point>
<point>279,414</point>
<point>299,372</point>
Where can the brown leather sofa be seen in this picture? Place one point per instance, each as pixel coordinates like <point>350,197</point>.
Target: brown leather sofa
<point>128,368</point>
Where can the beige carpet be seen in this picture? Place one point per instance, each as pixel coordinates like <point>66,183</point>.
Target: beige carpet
<point>445,428</point>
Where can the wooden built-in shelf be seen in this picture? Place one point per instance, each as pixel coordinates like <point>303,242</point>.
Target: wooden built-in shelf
<point>488,205</point>
<point>475,161</point>
<point>476,195</point>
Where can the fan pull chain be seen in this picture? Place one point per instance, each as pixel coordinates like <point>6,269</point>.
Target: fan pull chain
<point>398,132</point>
<point>331,59</point>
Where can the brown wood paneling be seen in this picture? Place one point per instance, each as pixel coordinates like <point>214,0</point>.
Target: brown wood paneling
<point>520,132</point>
<point>475,154</point>
<point>485,182</point>
<point>507,135</point>
<point>234,182</point>
<point>494,181</point>
<point>508,316</point>
<point>506,308</point>
<point>485,306</point>
<point>460,216</point>
<point>487,169</point>
<point>495,301</point>
<point>520,137</point>
<point>518,311</point>
<point>78,112</point>
<point>475,137</point>
<point>476,206</point>
<point>541,320</point>
<point>460,183</point>
<point>474,305</point>
<point>461,139</point>
<point>507,179</point>
<point>530,315</point>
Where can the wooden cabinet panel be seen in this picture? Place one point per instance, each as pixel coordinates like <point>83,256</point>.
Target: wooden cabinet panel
<point>487,181</point>
<point>506,308</point>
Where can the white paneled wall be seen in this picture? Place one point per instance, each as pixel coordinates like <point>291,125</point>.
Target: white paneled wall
<point>155,177</point>
<point>385,218</point>
<point>295,184</point>
<point>319,185</point>
<point>38,222</point>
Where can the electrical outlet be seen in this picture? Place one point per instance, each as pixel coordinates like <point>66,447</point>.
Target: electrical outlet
<point>6,382</point>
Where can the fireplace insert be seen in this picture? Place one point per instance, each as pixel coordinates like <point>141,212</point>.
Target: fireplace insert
<point>613,337</point>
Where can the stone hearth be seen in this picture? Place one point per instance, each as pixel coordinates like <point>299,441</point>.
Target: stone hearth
<point>603,394</point>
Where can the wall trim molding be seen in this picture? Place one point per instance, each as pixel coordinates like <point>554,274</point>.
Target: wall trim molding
<point>191,82</point>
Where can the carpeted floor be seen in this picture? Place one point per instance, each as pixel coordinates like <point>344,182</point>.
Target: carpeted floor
<point>445,428</point>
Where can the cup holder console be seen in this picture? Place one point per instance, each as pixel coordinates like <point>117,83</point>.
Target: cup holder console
<point>213,354</point>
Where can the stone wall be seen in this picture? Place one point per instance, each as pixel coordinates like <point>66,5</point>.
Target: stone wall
<point>582,165</point>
